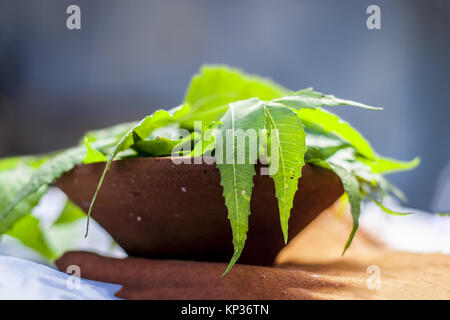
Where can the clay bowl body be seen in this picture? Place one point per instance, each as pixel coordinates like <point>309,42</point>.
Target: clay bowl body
<point>154,208</point>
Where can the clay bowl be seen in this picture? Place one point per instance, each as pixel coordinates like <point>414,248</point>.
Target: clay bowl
<point>154,208</point>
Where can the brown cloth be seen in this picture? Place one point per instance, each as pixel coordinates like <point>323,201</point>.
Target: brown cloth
<point>310,267</point>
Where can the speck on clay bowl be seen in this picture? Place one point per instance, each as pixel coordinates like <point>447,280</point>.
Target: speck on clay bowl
<point>157,209</point>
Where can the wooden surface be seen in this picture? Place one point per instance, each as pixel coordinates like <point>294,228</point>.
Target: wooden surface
<point>311,267</point>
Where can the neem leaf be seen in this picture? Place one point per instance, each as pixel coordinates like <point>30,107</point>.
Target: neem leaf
<point>308,98</point>
<point>158,119</point>
<point>92,154</point>
<point>351,187</point>
<point>207,142</point>
<point>215,86</point>
<point>180,112</point>
<point>340,164</point>
<point>140,131</point>
<point>116,131</point>
<point>389,187</point>
<point>288,138</point>
<point>387,210</point>
<point>321,145</point>
<point>356,176</point>
<point>386,165</point>
<point>443,214</point>
<point>237,178</point>
<point>28,231</point>
<point>119,130</point>
<point>9,163</point>
<point>30,161</point>
<point>70,213</point>
<point>19,223</point>
<point>46,174</point>
<point>11,183</point>
<point>157,147</point>
<point>331,123</point>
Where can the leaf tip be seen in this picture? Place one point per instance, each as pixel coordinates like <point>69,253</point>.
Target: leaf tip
<point>234,259</point>
<point>347,244</point>
<point>350,238</point>
<point>284,228</point>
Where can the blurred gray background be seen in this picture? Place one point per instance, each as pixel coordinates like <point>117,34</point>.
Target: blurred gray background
<point>131,57</point>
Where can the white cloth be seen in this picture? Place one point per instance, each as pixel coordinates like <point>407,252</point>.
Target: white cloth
<point>26,280</point>
<point>420,232</point>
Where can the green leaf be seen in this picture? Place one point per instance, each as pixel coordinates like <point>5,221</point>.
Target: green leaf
<point>308,98</point>
<point>351,187</point>
<point>207,142</point>
<point>70,213</point>
<point>387,210</point>
<point>167,140</point>
<point>158,119</point>
<point>321,145</point>
<point>46,174</point>
<point>30,161</point>
<point>342,164</point>
<point>331,123</point>
<point>443,214</point>
<point>140,131</point>
<point>288,138</point>
<point>12,182</point>
<point>237,178</point>
<point>387,165</point>
<point>9,163</point>
<point>29,233</point>
<point>119,130</point>
<point>210,92</point>
<point>116,131</point>
<point>19,223</point>
<point>180,111</point>
<point>92,155</point>
<point>157,147</point>
<point>350,171</point>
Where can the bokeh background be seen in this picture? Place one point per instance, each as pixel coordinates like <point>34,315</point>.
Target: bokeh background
<point>131,57</point>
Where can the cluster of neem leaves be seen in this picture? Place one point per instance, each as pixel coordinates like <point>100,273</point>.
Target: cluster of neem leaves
<point>225,99</point>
